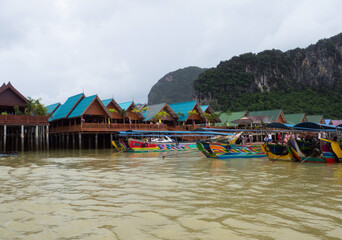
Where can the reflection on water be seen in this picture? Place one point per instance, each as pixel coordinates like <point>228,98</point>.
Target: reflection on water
<point>104,195</point>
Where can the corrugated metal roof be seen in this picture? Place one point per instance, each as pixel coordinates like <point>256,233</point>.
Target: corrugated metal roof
<point>294,118</point>
<point>224,117</point>
<point>125,105</point>
<point>152,111</point>
<point>81,107</point>
<point>107,101</point>
<point>204,107</point>
<point>272,114</point>
<point>314,118</point>
<point>182,109</point>
<point>51,108</point>
<point>64,109</point>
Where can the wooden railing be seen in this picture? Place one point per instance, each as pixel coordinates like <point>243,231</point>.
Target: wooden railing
<point>104,127</point>
<point>23,119</point>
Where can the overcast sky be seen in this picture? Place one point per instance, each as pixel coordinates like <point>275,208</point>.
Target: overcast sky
<point>121,48</point>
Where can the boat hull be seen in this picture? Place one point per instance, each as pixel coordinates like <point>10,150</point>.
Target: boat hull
<point>227,151</point>
<point>143,146</point>
<point>277,155</point>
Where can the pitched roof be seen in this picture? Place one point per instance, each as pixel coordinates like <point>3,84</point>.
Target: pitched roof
<point>204,107</point>
<point>152,111</point>
<point>295,118</point>
<point>82,106</point>
<point>53,107</point>
<point>125,105</point>
<point>64,110</point>
<point>224,117</point>
<point>107,101</point>
<point>272,114</point>
<point>336,122</point>
<point>182,109</point>
<point>7,86</point>
<point>314,118</point>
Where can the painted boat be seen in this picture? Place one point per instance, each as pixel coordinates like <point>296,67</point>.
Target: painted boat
<point>145,146</point>
<point>316,153</point>
<point>226,150</point>
<point>276,152</point>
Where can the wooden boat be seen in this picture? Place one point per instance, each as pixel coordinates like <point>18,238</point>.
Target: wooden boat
<point>145,146</point>
<point>278,152</point>
<point>315,153</point>
<point>226,150</point>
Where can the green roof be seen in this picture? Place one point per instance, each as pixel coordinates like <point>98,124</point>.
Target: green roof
<point>314,118</point>
<point>224,117</point>
<point>82,106</point>
<point>271,114</point>
<point>64,110</point>
<point>51,108</point>
<point>183,108</point>
<point>294,118</point>
<point>152,111</point>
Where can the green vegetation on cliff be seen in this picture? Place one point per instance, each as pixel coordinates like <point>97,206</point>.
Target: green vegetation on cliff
<point>175,87</point>
<point>301,80</point>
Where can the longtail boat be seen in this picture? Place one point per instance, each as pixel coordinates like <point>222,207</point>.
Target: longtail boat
<point>227,150</point>
<point>145,146</point>
<point>278,152</point>
<point>318,153</point>
<point>162,141</point>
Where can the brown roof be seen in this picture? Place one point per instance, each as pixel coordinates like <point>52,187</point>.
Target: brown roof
<point>9,99</point>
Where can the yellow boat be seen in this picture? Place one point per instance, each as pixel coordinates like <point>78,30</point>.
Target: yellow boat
<point>277,152</point>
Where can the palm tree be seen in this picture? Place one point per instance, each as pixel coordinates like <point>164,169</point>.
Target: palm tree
<point>160,115</point>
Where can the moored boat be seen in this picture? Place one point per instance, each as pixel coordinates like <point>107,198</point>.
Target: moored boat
<point>316,153</point>
<point>145,146</point>
<point>227,150</point>
<point>278,152</point>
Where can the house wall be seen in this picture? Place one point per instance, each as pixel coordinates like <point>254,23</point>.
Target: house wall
<point>9,98</point>
<point>96,109</point>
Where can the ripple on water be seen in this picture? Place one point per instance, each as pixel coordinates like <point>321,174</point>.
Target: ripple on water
<point>126,196</point>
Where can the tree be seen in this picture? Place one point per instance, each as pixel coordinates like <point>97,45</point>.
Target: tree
<point>135,110</point>
<point>160,115</point>
<point>34,107</point>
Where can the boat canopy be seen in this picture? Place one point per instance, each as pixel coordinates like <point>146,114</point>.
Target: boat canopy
<point>315,126</point>
<point>280,125</point>
<point>173,133</point>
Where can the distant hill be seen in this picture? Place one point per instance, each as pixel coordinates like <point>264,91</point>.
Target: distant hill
<point>300,80</point>
<point>175,86</point>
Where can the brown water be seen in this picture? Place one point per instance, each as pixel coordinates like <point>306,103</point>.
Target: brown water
<point>104,195</point>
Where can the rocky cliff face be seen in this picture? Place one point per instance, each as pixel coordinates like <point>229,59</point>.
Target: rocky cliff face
<point>175,86</point>
<point>317,68</point>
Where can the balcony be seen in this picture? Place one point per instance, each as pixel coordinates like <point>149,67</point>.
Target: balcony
<point>23,120</point>
<point>107,128</point>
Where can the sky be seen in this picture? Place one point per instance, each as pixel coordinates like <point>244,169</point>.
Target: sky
<point>54,49</point>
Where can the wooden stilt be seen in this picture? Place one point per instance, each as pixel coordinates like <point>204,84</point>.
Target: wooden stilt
<point>5,138</point>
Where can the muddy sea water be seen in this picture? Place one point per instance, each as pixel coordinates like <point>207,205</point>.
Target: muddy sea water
<point>106,195</point>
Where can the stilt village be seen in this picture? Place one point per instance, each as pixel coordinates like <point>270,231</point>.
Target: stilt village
<point>88,122</point>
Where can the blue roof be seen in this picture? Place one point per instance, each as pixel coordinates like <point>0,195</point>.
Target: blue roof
<point>204,107</point>
<point>82,106</point>
<point>51,108</point>
<point>152,111</point>
<point>107,101</point>
<point>64,109</point>
<point>183,108</point>
<point>125,105</point>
